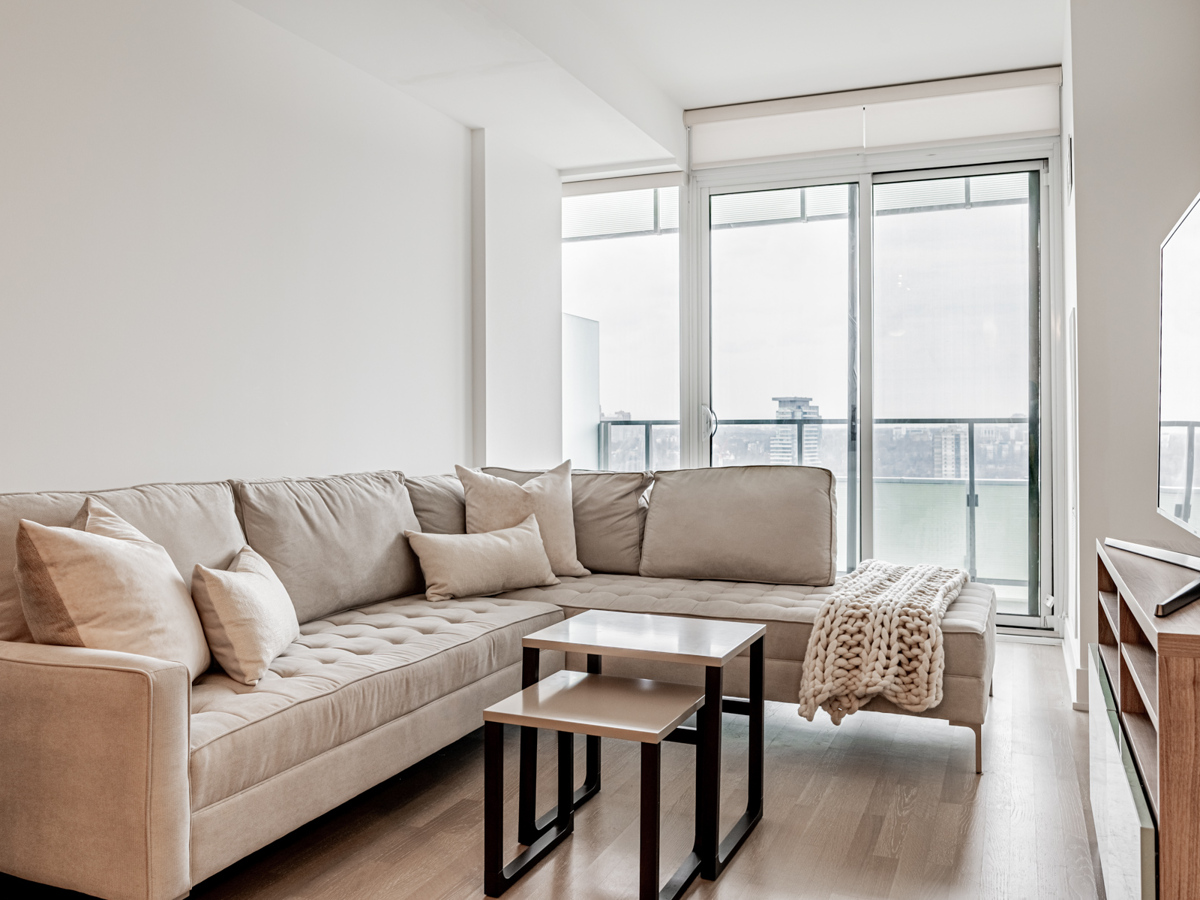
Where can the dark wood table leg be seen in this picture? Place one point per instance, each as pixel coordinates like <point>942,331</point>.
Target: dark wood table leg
<point>708,772</point>
<point>678,883</point>
<point>497,877</point>
<point>493,809</point>
<point>651,787</point>
<point>529,826</point>
<point>565,818</point>
<point>591,778</point>
<point>758,719</point>
<point>715,853</point>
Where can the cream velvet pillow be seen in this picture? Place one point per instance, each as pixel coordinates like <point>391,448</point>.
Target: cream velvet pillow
<point>495,503</point>
<point>471,565</point>
<point>103,584</point>
<point>247,615</point>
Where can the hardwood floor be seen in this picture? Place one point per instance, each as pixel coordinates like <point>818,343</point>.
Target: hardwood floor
<point>879,807</point>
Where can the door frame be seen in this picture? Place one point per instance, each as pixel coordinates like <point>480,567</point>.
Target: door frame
<point>868,169</point>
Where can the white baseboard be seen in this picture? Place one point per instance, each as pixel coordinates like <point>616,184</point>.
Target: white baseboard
<point>1076,677</point>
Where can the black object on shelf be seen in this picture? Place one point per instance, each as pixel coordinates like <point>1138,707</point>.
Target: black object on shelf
<point>1179,599</point>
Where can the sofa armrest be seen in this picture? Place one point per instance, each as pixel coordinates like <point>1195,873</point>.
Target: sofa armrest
<point>94,790</point>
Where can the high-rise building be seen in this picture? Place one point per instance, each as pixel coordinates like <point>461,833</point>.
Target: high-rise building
<point>950,454</point>
<point>783,443</point>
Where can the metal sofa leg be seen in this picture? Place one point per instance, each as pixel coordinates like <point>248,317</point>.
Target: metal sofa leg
<point>978,729</point>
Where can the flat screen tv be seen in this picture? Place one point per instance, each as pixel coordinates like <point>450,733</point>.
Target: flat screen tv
<point>1179,373</point>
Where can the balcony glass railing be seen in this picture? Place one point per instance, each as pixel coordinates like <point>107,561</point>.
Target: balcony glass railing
<point>948,491</point>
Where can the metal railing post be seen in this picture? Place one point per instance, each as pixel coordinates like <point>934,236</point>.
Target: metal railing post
<point>649,455</point>
<point>799,442</point>
<point>972,500</point>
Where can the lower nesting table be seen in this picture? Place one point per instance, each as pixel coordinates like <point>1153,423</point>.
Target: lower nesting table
<point>702,642</point>
<point>631,709</point>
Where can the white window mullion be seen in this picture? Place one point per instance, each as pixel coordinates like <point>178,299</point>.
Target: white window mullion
<point>693,327</point>
<point>866,414</point>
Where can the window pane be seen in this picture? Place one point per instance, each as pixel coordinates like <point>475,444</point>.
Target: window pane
<point>782,303</point>
<point>621,275</point>
<point>953,308</point>
<point>780,307</point>
<point>608,215</point>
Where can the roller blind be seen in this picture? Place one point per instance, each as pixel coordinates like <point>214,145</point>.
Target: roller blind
<point>1024,104</point>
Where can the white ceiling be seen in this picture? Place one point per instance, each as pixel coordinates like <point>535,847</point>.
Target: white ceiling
<point>601,85</point>
<point>715,52</point>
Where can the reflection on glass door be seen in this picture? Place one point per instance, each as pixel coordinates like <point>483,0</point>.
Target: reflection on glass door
<point>783,270</point>
<point>956,378</point>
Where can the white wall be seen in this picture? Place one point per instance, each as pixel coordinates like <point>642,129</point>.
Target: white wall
<point>223,252</point>
<point>521,306</point>
<point>1135,75</point>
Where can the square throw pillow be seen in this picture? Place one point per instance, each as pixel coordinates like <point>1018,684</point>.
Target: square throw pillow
<point>609,516</point>
<point>473,565</point>
<point>495,503</point>
<point>247,615</point>
<point>103,584</point>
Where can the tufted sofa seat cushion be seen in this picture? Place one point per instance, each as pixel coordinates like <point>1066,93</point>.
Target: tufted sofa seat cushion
<point>788,610</point>
<point>348,673</point>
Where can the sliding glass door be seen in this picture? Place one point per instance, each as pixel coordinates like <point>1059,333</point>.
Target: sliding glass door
<point>783,300</point>
<point>884,326</point>
<point>956,377</point>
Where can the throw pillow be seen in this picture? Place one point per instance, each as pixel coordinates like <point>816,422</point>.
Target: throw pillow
<point>247,615</point>
<point>471,565</point>
<point>495,503</point>
<point>609,516</point>
<point>103,584</point>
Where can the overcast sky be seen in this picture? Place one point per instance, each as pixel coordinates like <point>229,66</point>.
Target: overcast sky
<point>951,307</point>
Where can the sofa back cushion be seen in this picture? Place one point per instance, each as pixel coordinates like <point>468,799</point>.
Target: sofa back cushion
<point>334,542</point>
<point>194,523</point>
<point>769,524</point>
<point>608,516</point>
<point>439,502</point>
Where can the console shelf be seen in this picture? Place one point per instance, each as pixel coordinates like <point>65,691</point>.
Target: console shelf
<point>1109,605</point>
<point>1141,662</point>
<point>1153,667</point>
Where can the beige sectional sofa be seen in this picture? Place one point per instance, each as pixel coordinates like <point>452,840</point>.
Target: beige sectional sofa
<point>121,779</point>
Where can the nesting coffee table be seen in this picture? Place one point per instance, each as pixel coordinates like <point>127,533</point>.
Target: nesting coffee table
<point>563,705</point>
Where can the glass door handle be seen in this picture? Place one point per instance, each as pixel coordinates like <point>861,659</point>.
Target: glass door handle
<point>713,422</point>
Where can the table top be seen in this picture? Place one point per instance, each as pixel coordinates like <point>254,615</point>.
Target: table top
<point>701,642</point>
<point>630,709</point>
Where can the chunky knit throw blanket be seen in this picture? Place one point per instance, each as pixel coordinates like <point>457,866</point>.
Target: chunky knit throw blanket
<point>880,632</point>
